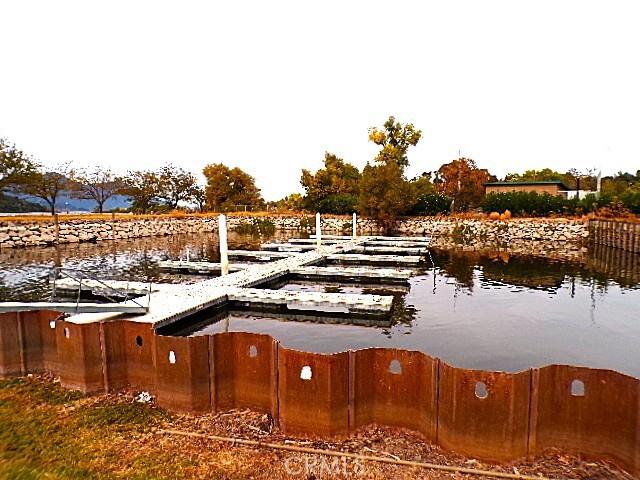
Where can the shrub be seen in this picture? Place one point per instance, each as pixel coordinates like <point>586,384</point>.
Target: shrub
<point>631,199</point>
<point>432,204</point>
<point>305,223</point>
<point>535,204</point>
<point>257,226</point>
<point>338,203</point>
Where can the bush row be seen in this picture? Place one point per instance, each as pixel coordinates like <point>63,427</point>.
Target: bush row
<point>432,204</point>
<point>535,204</point>
<point>518,203</point>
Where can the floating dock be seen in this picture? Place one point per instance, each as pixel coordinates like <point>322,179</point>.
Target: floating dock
<point>170,303</point>
<point>372,243</point>
<point>376,238</point>
<point>379,275</point>
<point>73,307</point>
<point>314,301</point>
<point>259,255</point>
<point>389,250</point>
<point>367,247</point>
<point>199,268</point>
<point>288,247</point>
<point>361,259</point>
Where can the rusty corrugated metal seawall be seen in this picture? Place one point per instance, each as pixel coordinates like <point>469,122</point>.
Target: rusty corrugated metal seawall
<point>492,416</point>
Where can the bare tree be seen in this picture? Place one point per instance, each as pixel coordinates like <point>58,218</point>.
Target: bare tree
<point>98,184</point>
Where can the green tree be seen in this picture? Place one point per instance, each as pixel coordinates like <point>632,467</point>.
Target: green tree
<point>175,185</point>
<point>48,184</point>
<point>631,198</point>
<point>199,196</point>
<point>613,186</point>
<point>332,189</point>
<point>422,185</point>
<point>143,188</point>
<point>15,166</point>
<point>293,201</point>
<point>384,194</point>
<point>542,175</point>
<point>395,140</point>
<point>231,188</point>
<point>585,178</point>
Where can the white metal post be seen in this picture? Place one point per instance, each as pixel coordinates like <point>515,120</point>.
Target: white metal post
<point>318,233</point>
<point>355,225</point>
<point>224,255</point>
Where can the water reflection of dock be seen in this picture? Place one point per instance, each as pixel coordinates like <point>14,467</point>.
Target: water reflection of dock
<point>621,265</point>
<point>599,262</point>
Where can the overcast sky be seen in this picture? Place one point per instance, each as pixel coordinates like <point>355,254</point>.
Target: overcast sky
<point>269,86</point>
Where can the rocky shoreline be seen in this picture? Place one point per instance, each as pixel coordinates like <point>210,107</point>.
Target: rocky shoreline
<point>20,234</point>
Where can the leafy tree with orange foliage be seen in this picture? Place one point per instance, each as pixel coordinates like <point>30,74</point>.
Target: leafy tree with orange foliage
<point>229,188</point>
<point>462,181</point>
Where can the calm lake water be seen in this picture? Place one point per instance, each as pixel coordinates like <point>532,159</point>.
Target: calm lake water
<point>490,310</point>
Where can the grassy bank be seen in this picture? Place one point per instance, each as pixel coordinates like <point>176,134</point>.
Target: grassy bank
<point>48,432</point>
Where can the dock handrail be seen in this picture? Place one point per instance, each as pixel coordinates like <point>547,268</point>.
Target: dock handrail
<point>70,273</point>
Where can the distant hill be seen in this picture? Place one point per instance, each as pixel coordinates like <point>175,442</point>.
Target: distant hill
<point>10,204</point>
<point>66,203</point>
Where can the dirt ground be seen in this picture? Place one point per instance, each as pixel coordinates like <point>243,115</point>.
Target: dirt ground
<point>48,432</point>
